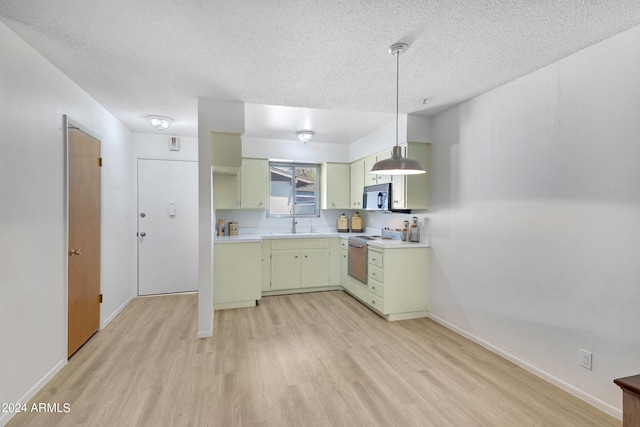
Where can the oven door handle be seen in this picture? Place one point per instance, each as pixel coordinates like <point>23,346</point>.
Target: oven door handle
<point>357,245</point>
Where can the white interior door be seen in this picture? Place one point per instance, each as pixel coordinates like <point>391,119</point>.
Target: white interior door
<point>167,226</point>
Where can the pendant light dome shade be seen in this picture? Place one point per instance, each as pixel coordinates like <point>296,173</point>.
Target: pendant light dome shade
<point>397,165</point>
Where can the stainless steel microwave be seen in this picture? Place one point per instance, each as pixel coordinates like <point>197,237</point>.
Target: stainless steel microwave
<point>377,197</point>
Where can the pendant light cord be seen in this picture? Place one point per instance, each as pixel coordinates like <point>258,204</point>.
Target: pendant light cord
<point>397,91</point>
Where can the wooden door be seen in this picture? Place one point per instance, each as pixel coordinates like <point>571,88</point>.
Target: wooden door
<point>84,238</point>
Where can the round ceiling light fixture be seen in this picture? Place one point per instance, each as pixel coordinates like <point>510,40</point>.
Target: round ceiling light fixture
<point>160,122</point>
<point>305,135</point>
<point>397,165</point>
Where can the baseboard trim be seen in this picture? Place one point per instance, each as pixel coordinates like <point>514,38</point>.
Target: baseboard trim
<point>235,304</point>
<point>116,312</point>
<point>6,417</point>
<point>580,394</point>
<point>205,334</point>
<point>300,290</point>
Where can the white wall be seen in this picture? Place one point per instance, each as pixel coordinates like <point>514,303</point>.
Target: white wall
<point>535,218</point>
<point>33,234</point>
<point>217,116</point>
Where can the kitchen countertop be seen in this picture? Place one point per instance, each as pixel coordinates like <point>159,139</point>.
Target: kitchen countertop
<point>256,238</point>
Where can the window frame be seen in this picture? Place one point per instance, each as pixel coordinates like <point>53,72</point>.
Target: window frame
<point>294,165</point>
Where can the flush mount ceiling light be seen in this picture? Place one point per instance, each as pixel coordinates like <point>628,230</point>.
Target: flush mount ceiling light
<point>397,165</point>
<point>305,135</point>
<point>160,122</point>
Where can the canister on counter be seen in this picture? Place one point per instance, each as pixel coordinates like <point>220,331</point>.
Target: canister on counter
<point>233,228</point>
<point>343,224</point>
<point>356,223</point>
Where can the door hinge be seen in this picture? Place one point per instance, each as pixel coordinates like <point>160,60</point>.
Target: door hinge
<point>100,298</point>
<point>99,161</point>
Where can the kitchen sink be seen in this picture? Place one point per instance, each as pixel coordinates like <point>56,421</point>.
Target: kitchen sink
<point>302,233</point>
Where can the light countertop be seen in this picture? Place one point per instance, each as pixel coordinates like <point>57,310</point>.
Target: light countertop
<point>256,238</point>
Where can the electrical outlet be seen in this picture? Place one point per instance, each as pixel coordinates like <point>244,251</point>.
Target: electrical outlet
<point>585,359</point>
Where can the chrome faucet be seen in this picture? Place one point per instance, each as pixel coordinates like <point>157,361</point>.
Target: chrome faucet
<point>293,224</point>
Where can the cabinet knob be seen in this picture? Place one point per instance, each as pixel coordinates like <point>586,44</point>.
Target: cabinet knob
<point>306,256</point>
<point>373,288</point>
<point>373,259</point>
<point>373,302</point>
<point>296,256</point>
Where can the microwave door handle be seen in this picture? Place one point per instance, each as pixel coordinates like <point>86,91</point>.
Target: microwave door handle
<point>380,200</point>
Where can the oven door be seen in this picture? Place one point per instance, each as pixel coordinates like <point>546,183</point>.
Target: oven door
<point>358,260</point>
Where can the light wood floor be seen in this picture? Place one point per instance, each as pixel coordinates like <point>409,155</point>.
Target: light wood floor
<point>319,359</point>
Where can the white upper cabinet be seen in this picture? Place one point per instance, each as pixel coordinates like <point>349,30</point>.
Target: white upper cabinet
<point>335,185</point>
<point>357,184</point>
<point>254,184</point>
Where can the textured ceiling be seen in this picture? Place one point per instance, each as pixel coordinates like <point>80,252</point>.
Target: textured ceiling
<point>141,57</point>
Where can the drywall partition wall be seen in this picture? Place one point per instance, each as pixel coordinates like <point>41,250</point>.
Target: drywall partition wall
<point>317,152</point>
<point>33,242</point>
<point>411,127</point>
<point>217,116</point>
<point>535,218</point>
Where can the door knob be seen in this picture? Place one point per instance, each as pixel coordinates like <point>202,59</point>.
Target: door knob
<point>73,252</point>
<point>142,234</point>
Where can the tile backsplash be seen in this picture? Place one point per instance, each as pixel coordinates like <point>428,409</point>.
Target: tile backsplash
<point>255,221</point>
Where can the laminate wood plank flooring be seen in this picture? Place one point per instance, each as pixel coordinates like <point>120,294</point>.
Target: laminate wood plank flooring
<point>316,359</point>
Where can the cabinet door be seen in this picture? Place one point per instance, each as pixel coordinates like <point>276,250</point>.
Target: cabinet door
<point>285,269</point>
<point>417,186</point>
<point>343,267</point>
<point>226,191</point>
<point>381,179</point>
<point>370,178</point>
<point>398,191</point>
<point>237,272</point>
<point>254,183</point>
<point>336,183</point>
<point>357,183</point>
<point>315,268</point>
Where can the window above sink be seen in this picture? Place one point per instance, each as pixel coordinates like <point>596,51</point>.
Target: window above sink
<point>293,190</point>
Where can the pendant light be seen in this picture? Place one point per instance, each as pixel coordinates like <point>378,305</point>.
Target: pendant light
<point>397,165</point>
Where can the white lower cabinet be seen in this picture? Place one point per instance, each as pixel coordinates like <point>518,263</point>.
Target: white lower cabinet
<point>398,282</point>
<point>237,274</point>
<point>299,263</point>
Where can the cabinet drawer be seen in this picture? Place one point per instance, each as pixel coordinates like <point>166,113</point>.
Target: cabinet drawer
<point>376,287</point>
<point>298,243</point>
<point>375,302</point>
<point>376,273</point>
<point>375,258</point>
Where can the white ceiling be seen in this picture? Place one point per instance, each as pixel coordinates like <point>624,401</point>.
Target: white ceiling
<point>142,57</point>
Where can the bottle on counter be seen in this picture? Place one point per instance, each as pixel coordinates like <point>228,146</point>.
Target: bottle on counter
<point>405,231</point>
<point>414,231</point>
<point>220,226</point>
